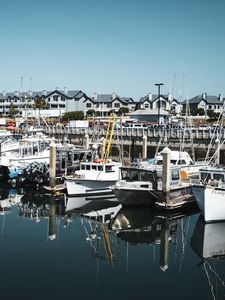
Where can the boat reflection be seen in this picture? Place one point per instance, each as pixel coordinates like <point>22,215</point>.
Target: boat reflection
<point>208,242</point>
<point>9,197</point>
<point>94,217</point>
<point>147,226</point>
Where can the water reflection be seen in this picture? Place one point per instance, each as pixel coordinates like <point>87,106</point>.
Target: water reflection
<point>208,242</point>
<point>147,226</point>
<point>107,231</point>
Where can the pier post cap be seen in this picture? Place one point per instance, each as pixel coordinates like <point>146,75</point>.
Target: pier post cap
<point>144,136</point>
<point>53,141</point>
<point>217,140</point>
<point>86,135</point>
<point>166,150</point>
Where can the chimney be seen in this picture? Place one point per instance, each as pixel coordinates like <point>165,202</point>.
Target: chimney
<point>30,93</point>
<point>170,97</point>
<point>17,93</point>
<point>95,96</point>
<point>204,96</point>
<point>4,93</point>
<point>220,97</point>
<point>65,90</point>
<point>150,96</point>
<point>113,96</point>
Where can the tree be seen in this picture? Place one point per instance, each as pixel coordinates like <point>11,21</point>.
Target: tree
<point>91,113</point>
<point>123,110</point>
<point>73,115</point>
<point>200,111</point>
<point>12,109</point>
<point>40,103</point>
<point>212,115</point>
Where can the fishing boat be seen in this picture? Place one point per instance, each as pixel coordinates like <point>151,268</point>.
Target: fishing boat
<point>94,178</point>
<point>210,193</point>
<point>142,185</point>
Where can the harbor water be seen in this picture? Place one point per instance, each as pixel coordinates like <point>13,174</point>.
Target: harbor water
<point>53,247</point>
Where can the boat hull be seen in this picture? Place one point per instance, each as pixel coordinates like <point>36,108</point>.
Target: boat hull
<point>148,197</point>
<point>211,202</point>
<point>89,188</point>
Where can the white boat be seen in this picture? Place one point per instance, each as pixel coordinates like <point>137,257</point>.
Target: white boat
<point>93,179</point>
<point>8,144</point>
<point>143,186</point>
<point>25,151</point>
<point>210,193</point>
<point>181,159</point>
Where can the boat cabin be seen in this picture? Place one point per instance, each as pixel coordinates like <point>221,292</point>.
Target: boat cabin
<point>91,166</point>
<point>178,158</point>
<point>212,175</point>
<point>131,174</point>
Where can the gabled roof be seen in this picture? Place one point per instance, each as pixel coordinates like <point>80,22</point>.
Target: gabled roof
<point>109,98</point>
<point>154,97</point>
<point>69,94</point>
<point>208,100</point>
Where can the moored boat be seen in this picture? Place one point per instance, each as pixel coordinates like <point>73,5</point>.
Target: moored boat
<point>210,193</point>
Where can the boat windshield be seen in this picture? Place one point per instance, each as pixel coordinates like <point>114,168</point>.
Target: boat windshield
<point>129,174</point>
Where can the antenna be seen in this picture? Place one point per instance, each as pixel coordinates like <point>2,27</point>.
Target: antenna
<point>30,83</point>
<point>173,86</point>
<point>21,84</point>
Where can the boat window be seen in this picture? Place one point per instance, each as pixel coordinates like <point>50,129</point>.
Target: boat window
<point>175,175</point>
<point>108,169</point>
<point>100,168</point>
<point>129,175</point>
<point>181,162</point>
<point>205,176</point>
<point>88,167</point>
<point>94,167</point>
<point>82,167</point>
<point>173,161</point>
<point>125,174</point>
<point>218,176</point>
<point>146,176</point>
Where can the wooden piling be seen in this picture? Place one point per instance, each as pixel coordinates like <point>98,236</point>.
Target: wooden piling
<point>166,170</point>
<point>52,167</point>
<point>144,147</point>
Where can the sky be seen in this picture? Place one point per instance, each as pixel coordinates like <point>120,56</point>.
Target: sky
<point>106,46</point>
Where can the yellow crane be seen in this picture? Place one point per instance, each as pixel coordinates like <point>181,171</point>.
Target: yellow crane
<point>108,137</point>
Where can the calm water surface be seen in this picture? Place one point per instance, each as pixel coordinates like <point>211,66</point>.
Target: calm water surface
<point>49,250</point>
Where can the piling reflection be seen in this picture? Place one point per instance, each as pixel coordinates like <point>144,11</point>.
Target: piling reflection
<point>138,226</point>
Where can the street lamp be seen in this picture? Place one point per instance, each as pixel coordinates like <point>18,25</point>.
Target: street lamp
<point>158,85</point>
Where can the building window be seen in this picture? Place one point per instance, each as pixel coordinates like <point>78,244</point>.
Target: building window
<point>88,105</point>
<point>147,105</point>
<point>55,97</point>
<point>116,105</point>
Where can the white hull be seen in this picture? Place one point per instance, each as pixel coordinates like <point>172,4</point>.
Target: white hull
<point>211,202</point>
<point>87,188</point>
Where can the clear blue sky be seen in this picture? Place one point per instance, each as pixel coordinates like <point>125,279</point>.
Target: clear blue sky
<point>122,46</point>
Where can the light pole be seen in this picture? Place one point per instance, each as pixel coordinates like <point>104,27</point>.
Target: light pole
<point>158,85</point>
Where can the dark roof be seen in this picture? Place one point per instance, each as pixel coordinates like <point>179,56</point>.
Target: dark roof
<point>108,98</point>
<point>69,94</point>
<point>154,97</point>
<point>208,100</point>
